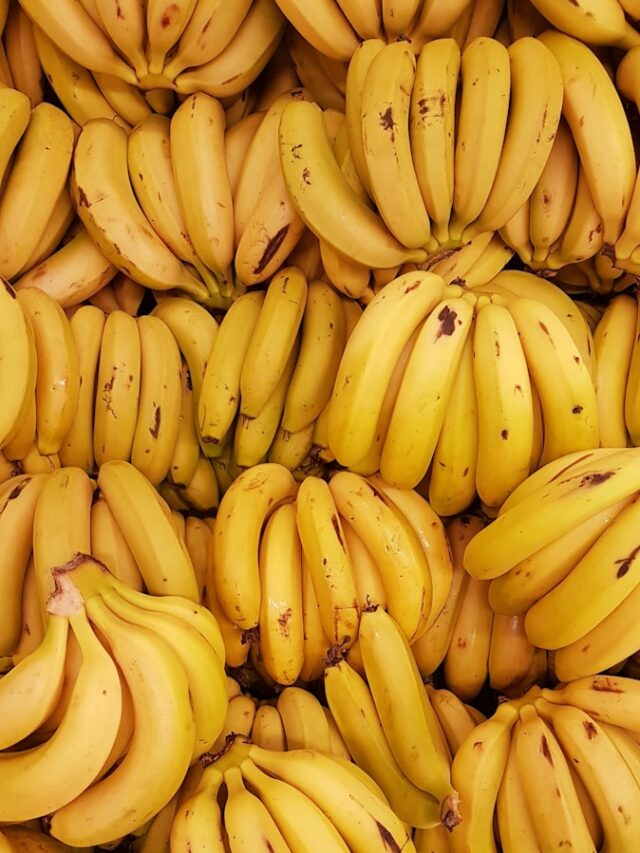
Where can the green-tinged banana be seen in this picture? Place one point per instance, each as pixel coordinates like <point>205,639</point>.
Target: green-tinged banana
<point>362,380</point>
<point>313,176</point>
<point>476,774</point>
<point>219,399</point>
<point>485,73</point>
<point>117,388</point>
<point>385,138</point>
<point>562,379</point>
<point>87,326</point>
<point>147,778</point>
<point>355,713</point>
<point>591,102</point>
<point>534,113</point>
<point>365,822</point>
<point>246,505</point>
<point>160,400</point>
<point>328,561</point>
<point>58,372</point>
<point>273,339</point>
<point>142,515</point>
<point>40,780</point>
<point>108,208</point>
<point>38,175</point>
<point>202,182</point>
<point>281,624</point>
<point>432,126</point>
<point>424,392</point>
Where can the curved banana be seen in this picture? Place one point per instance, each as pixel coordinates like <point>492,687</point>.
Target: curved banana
<point>87,326</point>
<point>17,374</point>
<point>146,778</point>
<point>455,718</point>
<point>324,198</point>
<point>58,372</point>
<point>614,341</point>
<point>125,26</point>
<point>304,721</point>
<point>164,26</point>
<point>467,659</point>
<point>186,451</point>
<point>117,388</point>
<point>327,28</point>
<point>15,113</point>
<point>22,55</point>
<point>248,823</point>
<point>424,392</point>
<point>198,821</point>
<point>591,22</point>
<point>517,831</point>
<point>128,102</point>
<point>362,380</point>
<point>267,730</point>
<point>107,206</point>
<point>109,546</point>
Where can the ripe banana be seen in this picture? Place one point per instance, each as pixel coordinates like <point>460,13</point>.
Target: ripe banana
<point>22,55</point>
<point>15,112</point>
<point>614,341</point>
<point>594,23</point>
<point>327,28</point>
<point>18,374</point>
<point>467,658</point>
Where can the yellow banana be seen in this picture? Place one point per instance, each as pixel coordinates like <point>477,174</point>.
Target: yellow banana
<point>267,730</point>
<point>248,822</point>
<point>316,644</point>
<point>15,111</point>
<point>614,341</point>
<point>186,450</point>
<point>584,235</point>
<point>127,101</point>
<point>164,25</point>
<point>110,547</point>
<point>327,29</point>
<point>436,17</point>
<point>594,23</point>
<point>517,831</point>
<point>304,721</point>
<point>129,294</point>
<point>22,55</point>
<point>125,26</point>
<point>18,375</point>
<point>455,718</point>
<point>467,659</point>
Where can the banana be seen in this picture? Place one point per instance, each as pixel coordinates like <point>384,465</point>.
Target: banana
<point>72,274</point>
<point>327,29</point>
<point>452,485</point>
<point>22,56</point>
<point>553,805</point>
<point>431,534</point>
<point>23,436</point>
<point>75,33</point>
<point>316,645</point>
<point>109,546</point>
<point>248,822</point>
<point>125,26</point>
<point>467,659</point>
<point>219,398</point>
<point>129,294</point>
<point>159,405</point>
<point>386,145</point>
<point>534,114</point>
<point>590,102</point>
<point>614,340</point>
<point>293,449</point>
<point>312,176</point>
<point>303,825</point>
<point>210,29</point>
<point>164,26</point>
<point>40,780</point>
<point>579,495</point>
<point>517,831</point>
<point>87,326</point>
<point>359,65</point>
<point>38,175</point>
<point>32,627</point>
<point>365,822</point>
<point>273,339</point>
<point>15,112</point>
<point>435,18</point>
<point>146,779</point>
<point>186,450</point>
<point>280,623</point>
<point>487,19</point>
<point>202,182</point>
<point>204,669</point>
<point>597,763</point>
<point>511,655</point>
<point>631,407</point>
<point>476,773</point>
<point>58,372</point>
<point>505,407</point>
<point>362,380</point>
<point>584,234</point>
<point>304,721</point>
<point>237,141</point>
<point>142,516</point>
<point>355,713</point>
<point>240,63</point>
<point>432,129</point>
<point>117,388</point>
<point>431,647</point>
<point>267,730</point>
<point>198,821</point>
<point>111,214</point>
<point>485,74</point>
<point>552,198</point>
<point>424,392</point>
<point>594,23</point>
<point>245,507</point>
<point>328,561</point>
<point>128,102</point>
<point>606,698</point>
<point>453,715</point>
<point>562,380</point>
<point>17,374</point>
<point>73,84</point>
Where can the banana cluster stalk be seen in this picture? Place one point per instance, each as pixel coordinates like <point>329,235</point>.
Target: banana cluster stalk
<point>570,569</point>
<point>555,768</point>
<point>296,800</point>
<point>456,381</point>
<point>116,669</point>
<point>472,642</point>
<point>292,569</point>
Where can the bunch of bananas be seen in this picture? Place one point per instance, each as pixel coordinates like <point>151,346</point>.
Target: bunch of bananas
<point>557,768</point>
<point>118,673</point>
<point>478,386</point>
<point>562,552</point>
<point>470,640</point>
<point>217,48</point>
<point>298,800</point>
<point>293,569</point>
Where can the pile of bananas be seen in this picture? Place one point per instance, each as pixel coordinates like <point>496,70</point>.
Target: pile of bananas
<point>319,426</point>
